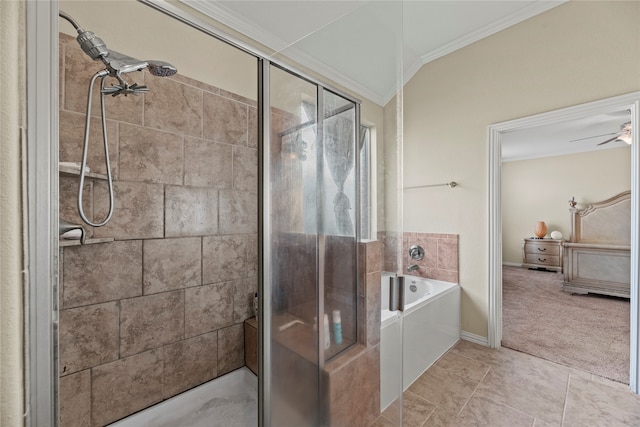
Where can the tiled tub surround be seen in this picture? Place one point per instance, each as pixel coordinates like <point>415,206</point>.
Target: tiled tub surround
<point>161,308</point>
<point>440,260</point>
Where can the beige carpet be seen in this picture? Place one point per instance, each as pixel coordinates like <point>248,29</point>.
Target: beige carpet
<point>587,332</point>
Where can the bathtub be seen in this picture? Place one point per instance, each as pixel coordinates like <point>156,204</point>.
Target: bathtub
<point>428,327</point>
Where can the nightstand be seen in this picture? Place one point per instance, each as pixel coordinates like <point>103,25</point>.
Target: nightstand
<point>543,254</point>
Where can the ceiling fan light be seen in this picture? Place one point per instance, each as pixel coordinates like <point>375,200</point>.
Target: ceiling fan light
<point>626,138</point>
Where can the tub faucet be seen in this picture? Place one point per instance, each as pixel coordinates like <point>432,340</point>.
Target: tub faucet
<point>413,267</point>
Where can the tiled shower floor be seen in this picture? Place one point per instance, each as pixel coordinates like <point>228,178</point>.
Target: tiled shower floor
<point>228,401</point>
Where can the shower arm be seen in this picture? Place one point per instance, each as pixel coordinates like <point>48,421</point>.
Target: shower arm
<point>85,151</point>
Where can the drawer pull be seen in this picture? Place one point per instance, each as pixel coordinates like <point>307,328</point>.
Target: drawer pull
<point>542,260</point>
<point>542,249</point>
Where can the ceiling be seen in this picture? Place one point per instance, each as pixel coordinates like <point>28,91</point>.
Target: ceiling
<point>360,44</point>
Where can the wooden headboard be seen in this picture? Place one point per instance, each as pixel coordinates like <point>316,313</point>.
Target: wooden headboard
<point>607,222</point>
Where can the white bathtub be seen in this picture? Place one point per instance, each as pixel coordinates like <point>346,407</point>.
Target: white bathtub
<point>428,327</point>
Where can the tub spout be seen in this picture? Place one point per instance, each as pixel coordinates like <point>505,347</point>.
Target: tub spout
<point>413,267</point>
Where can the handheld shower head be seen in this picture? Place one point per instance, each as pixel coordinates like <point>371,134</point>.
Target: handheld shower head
<point>161,68</point>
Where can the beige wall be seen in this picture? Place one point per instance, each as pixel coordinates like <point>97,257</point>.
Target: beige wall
<point>577,52</point>
<point>539,190</point>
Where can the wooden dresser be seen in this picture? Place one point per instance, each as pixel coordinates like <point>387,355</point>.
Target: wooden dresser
<point>543,254</point>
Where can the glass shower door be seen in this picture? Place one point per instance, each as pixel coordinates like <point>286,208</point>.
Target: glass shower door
<point>310,271</point>
<point>291,334</point>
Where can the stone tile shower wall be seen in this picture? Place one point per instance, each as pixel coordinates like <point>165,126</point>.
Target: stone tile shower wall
<point>159,309</point>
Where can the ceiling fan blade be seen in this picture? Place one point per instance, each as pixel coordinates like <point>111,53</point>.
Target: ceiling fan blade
<point>609,140</point>
<point>595,136</point>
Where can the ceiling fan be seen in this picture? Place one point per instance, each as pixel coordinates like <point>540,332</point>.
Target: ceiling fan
<point>624,135</point>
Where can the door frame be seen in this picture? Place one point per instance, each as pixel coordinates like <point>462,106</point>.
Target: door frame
<point>630,101</point>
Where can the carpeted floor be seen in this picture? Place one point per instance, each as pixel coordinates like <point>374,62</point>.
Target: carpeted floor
<point>587,332</point>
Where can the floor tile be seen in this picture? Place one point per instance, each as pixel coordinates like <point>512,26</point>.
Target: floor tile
<point>482,411</point>
<point>416,410</point>
<point>500,357</point>
<point>445,389</point>
<point>463,366</point>
<point>596,404</point>
<point>522,390</point>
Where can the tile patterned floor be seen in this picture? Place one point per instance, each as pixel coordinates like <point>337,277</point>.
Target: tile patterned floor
<point>472,385</point>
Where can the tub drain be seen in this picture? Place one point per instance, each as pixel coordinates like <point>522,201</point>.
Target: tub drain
<point>413,288</point>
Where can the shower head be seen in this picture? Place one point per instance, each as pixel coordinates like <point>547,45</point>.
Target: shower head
<point>161,68</point>
<point>117,63</point>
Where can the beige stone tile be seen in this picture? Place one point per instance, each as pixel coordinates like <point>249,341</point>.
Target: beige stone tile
<point>79,69</point>
<point>171,264</point>
<point>68,201</point>
<point>72,128</point>
<point>239,98</point>
<point>430,246</point>
<point>450,276</point>
<point>238,212</point>
<point>502,357</point>
<point>540,423</point>
<point>361,377</point>
<point>373,256</point>
<point>126,386</point>
<point>208,308</point>
<point>442,418</point>
<point>382,421</point>
<point>75,399</point>
<point>225,120</point>
<point>190,211</point>
<point>207,164</point>
<point>173,106</point>
<point>138,210</point>
<point>253,128</point>
<point>88,337</point>
<point>245,169</point>
<point>189,363</point>
<point>89,276</point>
<point>416,410</point>
<point>443,388</point>
<point>463,366</point>
<point>230,348</point>
<point>226,258</point>
<point>550,373</point>
<point>539,396</point>
<point>150,155</point>
<point>482,411</point>
<point>392,412</point>
<point>195,83</point>
<point>593,403</point>
<point>151,321</point>
<point>373,309</point>
<point>243,292</point>
<point>252,254</point>
<point>448,254</point>
<point>605,381</point>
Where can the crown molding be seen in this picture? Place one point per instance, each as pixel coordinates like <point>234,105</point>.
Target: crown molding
<point>229,18</point>
<point>488,30</point>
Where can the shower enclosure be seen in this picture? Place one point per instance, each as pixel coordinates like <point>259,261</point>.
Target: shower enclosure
<point>219,192</point>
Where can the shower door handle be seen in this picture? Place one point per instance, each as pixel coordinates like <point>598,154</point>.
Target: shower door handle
<point>396,293</point>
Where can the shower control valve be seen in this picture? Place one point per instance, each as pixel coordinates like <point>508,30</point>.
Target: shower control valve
<point>416,252</point>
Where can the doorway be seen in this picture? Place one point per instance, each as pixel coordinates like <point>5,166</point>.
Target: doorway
<point>496,135</point>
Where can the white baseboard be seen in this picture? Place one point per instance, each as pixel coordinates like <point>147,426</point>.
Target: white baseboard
<point>512,264</point>
<point>468,336</point>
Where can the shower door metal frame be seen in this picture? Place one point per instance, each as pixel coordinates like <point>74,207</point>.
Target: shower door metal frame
<point>41,216</point>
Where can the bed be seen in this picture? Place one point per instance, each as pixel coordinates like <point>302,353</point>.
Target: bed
<point>597,255</point>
